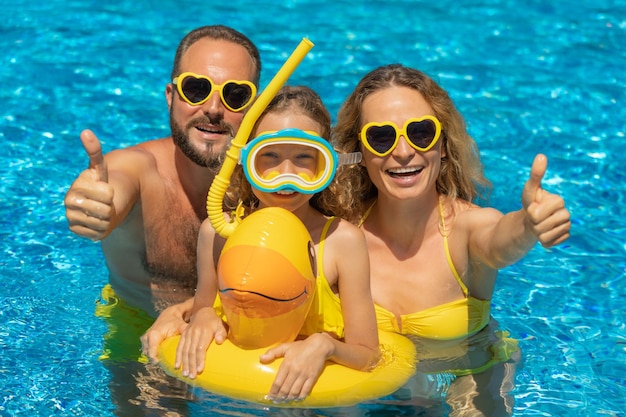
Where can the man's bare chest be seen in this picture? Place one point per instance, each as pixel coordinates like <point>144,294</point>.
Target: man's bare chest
<point>171,230</point>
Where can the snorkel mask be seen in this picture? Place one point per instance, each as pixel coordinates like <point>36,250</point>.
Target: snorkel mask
<point>292,160</point>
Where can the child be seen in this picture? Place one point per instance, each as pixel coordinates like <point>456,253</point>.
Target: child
<point>347,333</point>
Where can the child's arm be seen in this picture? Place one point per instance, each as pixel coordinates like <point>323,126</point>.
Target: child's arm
<point>205,325</point>
<point>500,240</point>
<point>346,254</point>
<point>349,250</point>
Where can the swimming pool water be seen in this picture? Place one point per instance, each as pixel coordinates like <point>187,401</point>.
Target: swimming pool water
<point>529,76</point>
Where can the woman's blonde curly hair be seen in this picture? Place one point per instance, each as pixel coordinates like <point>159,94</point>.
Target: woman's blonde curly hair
<point>461,175</point>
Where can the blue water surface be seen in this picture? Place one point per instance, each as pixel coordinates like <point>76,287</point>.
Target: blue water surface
<point>529,76</point>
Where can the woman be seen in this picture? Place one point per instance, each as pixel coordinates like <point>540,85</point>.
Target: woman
<point>434,253</point>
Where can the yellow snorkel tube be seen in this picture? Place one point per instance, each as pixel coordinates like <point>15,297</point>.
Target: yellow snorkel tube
<point>221,182</point>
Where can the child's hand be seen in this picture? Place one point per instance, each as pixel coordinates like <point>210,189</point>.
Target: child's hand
<point>546,214</point>
<point>169,323</point>
<point>302,365</point>
<point>205,326</point>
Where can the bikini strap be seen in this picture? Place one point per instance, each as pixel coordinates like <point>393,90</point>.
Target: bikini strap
<point>320,252</point>
<point>447,250</point>
<point>367,213</point>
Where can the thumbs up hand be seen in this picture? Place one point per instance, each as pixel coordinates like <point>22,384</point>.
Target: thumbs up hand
<point>94,151</point>
<point>546,215</point>
<point>89,201</point>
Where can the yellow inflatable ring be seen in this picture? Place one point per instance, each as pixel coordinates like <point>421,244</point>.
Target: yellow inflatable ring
<point>233,369</point>
<point>237,373</point>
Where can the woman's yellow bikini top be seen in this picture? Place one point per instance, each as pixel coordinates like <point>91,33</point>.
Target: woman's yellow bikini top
<point>448,321</point>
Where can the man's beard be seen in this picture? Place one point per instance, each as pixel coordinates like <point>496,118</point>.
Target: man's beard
<point>209,158</point>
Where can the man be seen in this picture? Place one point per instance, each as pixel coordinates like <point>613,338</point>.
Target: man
<point>145,203</point>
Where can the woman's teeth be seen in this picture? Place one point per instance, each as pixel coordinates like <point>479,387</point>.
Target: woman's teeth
<point>405,170</point>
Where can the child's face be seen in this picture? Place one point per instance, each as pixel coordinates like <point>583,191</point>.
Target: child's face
<point>286,159</point>
<point>299,160</point>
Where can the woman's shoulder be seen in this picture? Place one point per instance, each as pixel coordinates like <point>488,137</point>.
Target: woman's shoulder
<point>470,215</point>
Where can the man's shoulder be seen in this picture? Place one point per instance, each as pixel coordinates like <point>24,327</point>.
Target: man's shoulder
<point>148,152</point>
<point>155,147</point>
